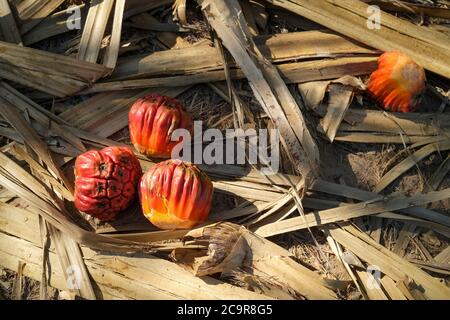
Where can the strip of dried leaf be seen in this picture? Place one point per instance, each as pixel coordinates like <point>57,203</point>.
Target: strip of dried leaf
<point>267,85</point>
<point>294,72</point>
<point>63,75</point>
<point>350,211</point>
<point>350,18</point>
<point>8,28</point>
<point>389,263</point>
<point>268,260</point>
<point>276,48</point>
<point>94,30</point>
<point>410,162</point>
<point>33,140</point>
<point>55,24</point>
<point>32,12</point>
<point>112,52</point>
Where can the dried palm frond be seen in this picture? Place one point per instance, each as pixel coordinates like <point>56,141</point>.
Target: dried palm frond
<point>350,18</point>
<point>8,27</point>
<point>232,246</point>
<point>63,76</point>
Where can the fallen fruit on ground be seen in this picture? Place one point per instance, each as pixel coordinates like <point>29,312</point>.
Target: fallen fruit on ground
<point>175,195</point>
<point>152,120</point>
<point>398,83</point>
<point>106,181</point>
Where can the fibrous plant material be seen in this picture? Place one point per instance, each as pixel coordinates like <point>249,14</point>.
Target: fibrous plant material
<point>411,8</point>
<point>371,126</point>
<point>232,247</point>
<point>202,63</point>
<point>276,48</point>
<point>112,51</point>
<point>410,162</point>
<point>267,85</point>
<point>63,76</point>
<point>94,30</point>
<point>164,39</point>
<point>115,277</point>
<point>350,18</point>
<point>341,92</point>
<point>71,261</point>
<point>179,11</point>
<point>295,72</point>
<point>46,119</point>
<point>8,28</point>
<point>32,139</point>
<point>32,12</point>
<point>440,174</point>
<point>134,7</point>
<point>36,170</point>
<point>388,263</point>
<point>366,196</point>
<point>56,24</point>
<point>374,206</point>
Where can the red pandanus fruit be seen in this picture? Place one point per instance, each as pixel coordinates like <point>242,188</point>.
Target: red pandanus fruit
<point>152,120</point>
<point>106,181</point>
<point>398,82</point>
<point>175,195</point>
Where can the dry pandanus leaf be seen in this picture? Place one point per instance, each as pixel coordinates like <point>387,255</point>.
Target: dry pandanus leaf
<point>427,47</point>
<point>94,30</point>
<point>226,254</point>
<point>31,12</point>
<point>51,73</point>
<point>227,250</point>
<point>226,18</point>
<point>179,11</point>
<point>8,28</point>
<point>398,83</point>
<point>233,251</point>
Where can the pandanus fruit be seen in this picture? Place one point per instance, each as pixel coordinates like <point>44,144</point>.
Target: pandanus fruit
<point>398,83</point>
<point>106,181</point>
<point>175,195</point>
<point>152,120</point>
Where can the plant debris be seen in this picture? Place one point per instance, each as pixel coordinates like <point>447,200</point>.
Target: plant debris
<point>362,194</point>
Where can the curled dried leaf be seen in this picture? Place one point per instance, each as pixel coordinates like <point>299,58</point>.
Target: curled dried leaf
<point>227,251</point>
<point>179,12</point>
<point>266,285</point>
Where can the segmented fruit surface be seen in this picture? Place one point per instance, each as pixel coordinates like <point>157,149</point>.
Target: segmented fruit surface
<point>175,195</point>
<point>106,181</point>
<point>398,82</point>
<point>152,120</point>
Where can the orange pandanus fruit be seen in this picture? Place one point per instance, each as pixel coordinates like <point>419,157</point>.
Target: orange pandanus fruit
<point>106,181</point>
<point>175,195</point>
<point>398,83</point>
<point>152,120</point>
